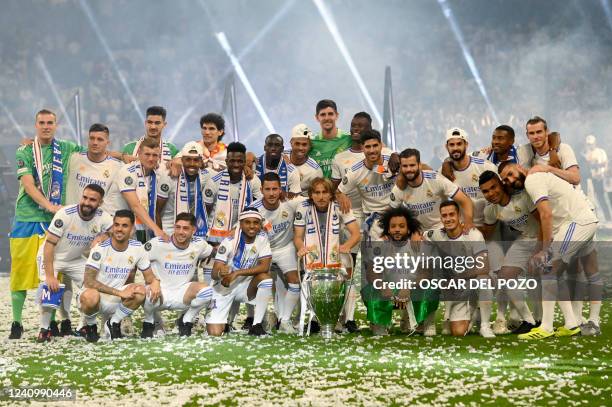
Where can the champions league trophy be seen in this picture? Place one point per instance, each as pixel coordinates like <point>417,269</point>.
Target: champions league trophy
<point>327,288</point>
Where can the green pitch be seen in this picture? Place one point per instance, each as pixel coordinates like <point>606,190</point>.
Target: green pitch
<point>352,369</point>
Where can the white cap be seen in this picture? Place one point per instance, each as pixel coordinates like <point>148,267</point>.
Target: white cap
<point>301,131</point>
<point>192,149</point>
<point>456,132</point>
<point>250,213</point>
<point>590,139</point>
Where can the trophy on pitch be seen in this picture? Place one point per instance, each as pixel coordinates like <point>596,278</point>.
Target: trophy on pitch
<point>327,287</point>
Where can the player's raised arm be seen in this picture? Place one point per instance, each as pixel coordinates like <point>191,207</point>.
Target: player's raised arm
<point>467,209</point>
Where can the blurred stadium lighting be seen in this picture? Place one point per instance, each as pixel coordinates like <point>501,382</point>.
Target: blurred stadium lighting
<point>245,81</point>
<point>606,6</point>
<point>448,13</point>
<point>12,119</point>
<point>110,55</point>
<point>333,29</point>
<point>269,25</point>
<point>43,67</point>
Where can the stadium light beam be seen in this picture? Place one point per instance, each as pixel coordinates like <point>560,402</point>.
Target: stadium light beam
<point>111,57</point>
<point>12,119</point>
<point>608,11</point>
<point>262,33</point>
<point>43,67</point>
<point>245,81</point>
<point>333,29</point>
<point>448,13</point>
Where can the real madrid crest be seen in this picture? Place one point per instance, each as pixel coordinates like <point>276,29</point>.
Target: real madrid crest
<point>429,193</point>
<point>106,173</point>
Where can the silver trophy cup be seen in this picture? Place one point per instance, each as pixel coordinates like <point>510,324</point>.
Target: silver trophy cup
<point>327,287</point>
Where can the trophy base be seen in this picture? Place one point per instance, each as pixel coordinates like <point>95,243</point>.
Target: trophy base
<point>327,331</point>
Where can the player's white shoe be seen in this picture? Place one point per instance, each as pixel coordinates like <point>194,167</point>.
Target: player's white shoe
<point>486,332</point>
<point>500,327</point>
<point>159,329</point>
<point>286,327</point>
<point>430,329</point>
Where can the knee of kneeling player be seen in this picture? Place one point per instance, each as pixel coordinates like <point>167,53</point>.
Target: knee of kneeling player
<point>292,277</point>
<point>215,330</point>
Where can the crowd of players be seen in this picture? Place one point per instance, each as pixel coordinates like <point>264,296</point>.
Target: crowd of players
<point>201,230</point>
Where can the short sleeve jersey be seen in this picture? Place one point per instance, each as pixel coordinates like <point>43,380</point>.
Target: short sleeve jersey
<point>517,214</point>
<point>175,266</point>
<point>253,253</point>
<point>26,209</point>
<point>567,204</point>
<point>212,189</point>
<point>465,245</point>
<point>424,200</point>
<point>129,178</point>
<point>468,179</point>
<point>324,150</point>
<point>169,212</point>
<point>75,234</point>
<point>278,223</point>
<point>83,172</point>
<point>527,157</point>
<point>293,178</point>
<point>373,186</point>
<point>115,266</point>
<point>308,172</point>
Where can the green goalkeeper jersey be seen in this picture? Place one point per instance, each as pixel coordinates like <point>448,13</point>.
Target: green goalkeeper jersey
<point>324,150</point>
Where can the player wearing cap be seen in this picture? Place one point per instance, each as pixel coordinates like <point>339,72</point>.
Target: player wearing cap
<point>186,193</point>
<point>107,271</point>
<point>138,185</point>
<point>519,213</point>
<point>241,274</point>
<point>455,241</point>
<point>278,217</point>
<point>273,161</point>
<point>68,239</point>
<point>331,140</point>
<point>299,156</point>
<point>568,227</point>
<point>155,123</point>
<point>423,191</point>
<point>94,166</point>
<point>174,263</point>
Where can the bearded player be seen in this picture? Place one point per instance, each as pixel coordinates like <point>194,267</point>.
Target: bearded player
<point>175,262</point>
<point>109,267</point>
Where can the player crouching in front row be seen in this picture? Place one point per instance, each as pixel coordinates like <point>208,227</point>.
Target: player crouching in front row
<point>241,274</point>
<point>108,268</point>
<point>175,262</point>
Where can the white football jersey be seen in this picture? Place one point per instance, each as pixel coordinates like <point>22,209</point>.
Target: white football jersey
<point>130,178</point>
<point>169,212</point>
<point>528,158</point>
<point>469,244</point>
<point>567,204</point>
<point>293,177</point>
<point>114,266</point>
<point>342,163</point>
<point>424,201</point>
<point>517,214</point>
<point>252,253</point>
<point>212,188</point>
<point>172,265</point>
<point>83,172</point>
<point>75,234</point>
<point>278,223</point>
<point>468,178</point>
<point>373,186</point>
<point>308,172</point>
